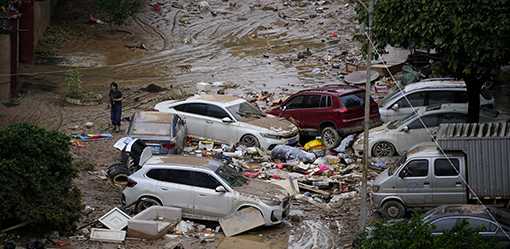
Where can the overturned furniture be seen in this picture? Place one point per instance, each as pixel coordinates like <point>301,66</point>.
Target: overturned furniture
<point>154,222</point>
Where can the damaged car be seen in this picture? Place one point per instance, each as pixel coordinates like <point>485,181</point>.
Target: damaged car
<point>331,111</point>
<point>436,91</point>
<point>203,189</point>
<point>231,120</point>
<point>398,136</point>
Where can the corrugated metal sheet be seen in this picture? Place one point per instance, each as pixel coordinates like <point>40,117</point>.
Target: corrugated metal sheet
<point>487,149</point>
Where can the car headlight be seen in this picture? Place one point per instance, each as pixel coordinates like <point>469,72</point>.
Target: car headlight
<point>271,136</point>
<point>272,202</point>
<point>376,188</point>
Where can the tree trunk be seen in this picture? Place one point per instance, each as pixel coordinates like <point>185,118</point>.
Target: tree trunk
<point>473,92</point>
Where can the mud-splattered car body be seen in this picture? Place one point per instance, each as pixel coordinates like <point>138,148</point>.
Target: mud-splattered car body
<point>229,119</point>
<point>206,190</point>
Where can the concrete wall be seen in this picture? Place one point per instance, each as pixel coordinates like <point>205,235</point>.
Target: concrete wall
<point>42,17</point>
<point>5,66</point>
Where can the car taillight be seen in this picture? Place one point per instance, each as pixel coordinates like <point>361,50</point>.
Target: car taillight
<point>169,146</point>
<point>131,183</point>
<point>342,109</point>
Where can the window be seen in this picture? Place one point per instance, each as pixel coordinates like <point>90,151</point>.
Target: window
<point>481,225</point>
<point>443,225</point>
<point>171,175</point>
<point>216,112</point>
<point>453,118</point>
<point>194,108</point>
<point>429,120</point>
<point>295,103</point>
<point>204,180</point>
<point>443,167</point>
<point>416,168</point>
<point>354,100</point>
<point>304,101</point>
<point>325,101</point>
<point>447,97</point>
<point>416,99</point>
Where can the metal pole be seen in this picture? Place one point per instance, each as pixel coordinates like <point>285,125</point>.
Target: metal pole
<point>364,207</point>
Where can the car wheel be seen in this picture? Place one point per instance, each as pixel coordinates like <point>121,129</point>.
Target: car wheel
<point>249,141</point>
<point>393,210</point>
<point>383,149</point>
<point>146,202</point>
<point>330,137</point>
<point>118,174</point>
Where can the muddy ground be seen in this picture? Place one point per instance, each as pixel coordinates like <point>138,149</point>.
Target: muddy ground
<point>248,46</point>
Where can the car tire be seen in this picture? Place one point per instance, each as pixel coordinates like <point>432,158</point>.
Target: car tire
<point>383,149</point>
<point>118,174</point>
<point>393,210</point>
<point>146,202</point>
<point>249,141</point>
<point>330,137</point>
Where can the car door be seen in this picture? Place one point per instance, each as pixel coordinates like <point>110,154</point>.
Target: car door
<point>415,179</point>
<point>216,129</point>
<point>447,183</point>
<point>194,115</point>
<point>311,107</point>
<point>293,109</point>
<point>208,202</point>
<point>402,107</point>
<point>173,188</point>
<point>414,132</point>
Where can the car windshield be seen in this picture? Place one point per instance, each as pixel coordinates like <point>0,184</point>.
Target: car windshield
<point>396,123</point>
<point>393,95</point>
<point>392,167</point>
<point>245,111</point>
<point>231,176</point>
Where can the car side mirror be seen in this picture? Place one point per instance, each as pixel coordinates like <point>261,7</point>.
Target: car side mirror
<point>405,129</point>
<point>220,189</point>
<point>395,107</point>
<point>403,173</point>
<point>227,120</point>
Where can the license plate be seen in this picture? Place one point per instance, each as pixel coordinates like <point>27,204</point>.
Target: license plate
<point>155,148</point>
<point>292,141</point>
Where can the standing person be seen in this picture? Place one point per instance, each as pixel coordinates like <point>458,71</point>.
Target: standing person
<point>116,106</point>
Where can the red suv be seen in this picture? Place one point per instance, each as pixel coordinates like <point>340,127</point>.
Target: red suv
<point>332,111</point>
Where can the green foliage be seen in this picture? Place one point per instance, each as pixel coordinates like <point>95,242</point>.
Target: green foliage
<point>415,234</point>
<point>118,11</point>
<point>73,84</point>
<point>36,179</point>
<point>472,38</point>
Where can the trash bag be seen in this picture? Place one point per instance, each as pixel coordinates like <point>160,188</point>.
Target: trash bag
<point>314,144</point>
<point>285,152</point>
<point>346,143</point>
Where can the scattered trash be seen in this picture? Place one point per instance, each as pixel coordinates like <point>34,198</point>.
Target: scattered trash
<point>115,219</point>
<point>106,235</point>
<point>345,143</point>
<point>154,222</point>
<point>314,144</point>
<point>91,137</point>
<point>285,152</point>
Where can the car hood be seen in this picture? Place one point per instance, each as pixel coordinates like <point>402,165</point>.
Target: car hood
<point>262,190</point>
<point>377,131</point>
<point>381,177</point>
<point>273,124</point>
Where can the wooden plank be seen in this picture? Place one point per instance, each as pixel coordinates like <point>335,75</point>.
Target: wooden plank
<point>313,189</point>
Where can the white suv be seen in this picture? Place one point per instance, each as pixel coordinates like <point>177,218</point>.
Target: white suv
<point>231,120</point>
<point>427,92</point>
<point>206,190</point>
